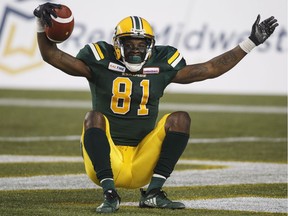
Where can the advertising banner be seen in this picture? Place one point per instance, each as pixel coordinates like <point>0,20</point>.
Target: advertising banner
<point>200,29</point>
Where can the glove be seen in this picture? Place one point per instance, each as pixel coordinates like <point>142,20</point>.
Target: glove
<point>260,32</point>
<point>44,12</point>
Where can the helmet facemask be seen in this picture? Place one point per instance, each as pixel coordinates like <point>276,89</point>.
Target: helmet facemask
<point>134,57</point>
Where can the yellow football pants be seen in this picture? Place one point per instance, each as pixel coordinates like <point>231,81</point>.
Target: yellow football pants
<point>132,166</point>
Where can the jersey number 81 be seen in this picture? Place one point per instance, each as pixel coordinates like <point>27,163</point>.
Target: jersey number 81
<point>121,96</point>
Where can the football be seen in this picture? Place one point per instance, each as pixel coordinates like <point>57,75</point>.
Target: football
<point>62,25</point>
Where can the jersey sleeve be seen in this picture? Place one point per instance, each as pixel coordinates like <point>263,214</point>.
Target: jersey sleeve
<point>169,60</point>
<point>90,54</point>
<point>175,59</point>
<point>96,56</point>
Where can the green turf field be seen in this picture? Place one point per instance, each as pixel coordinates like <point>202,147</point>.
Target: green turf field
<point>34,124</point>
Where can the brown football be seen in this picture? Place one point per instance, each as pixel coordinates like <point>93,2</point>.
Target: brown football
<point>62,26</point>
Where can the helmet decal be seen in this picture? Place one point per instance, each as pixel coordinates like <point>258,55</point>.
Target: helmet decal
<point>137,22</point>
<point>137,25</point>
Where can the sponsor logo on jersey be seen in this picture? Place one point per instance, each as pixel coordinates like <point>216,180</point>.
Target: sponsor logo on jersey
<point>116,67</point>
<point>151,70</point>
<point>134,75</point>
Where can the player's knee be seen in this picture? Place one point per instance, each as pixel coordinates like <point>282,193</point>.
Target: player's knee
<point>94,119</point>
<point>179,121</point>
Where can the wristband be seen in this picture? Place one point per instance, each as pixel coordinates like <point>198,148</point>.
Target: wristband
<point>247,45</point>
<point>39,25</point>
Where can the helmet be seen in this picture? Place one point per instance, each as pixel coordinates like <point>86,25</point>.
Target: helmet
<point>135,27</point>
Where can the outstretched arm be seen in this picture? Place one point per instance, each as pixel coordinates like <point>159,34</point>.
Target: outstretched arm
<point>224,62</point>
<point>49,50</point>
<point>210,69</point>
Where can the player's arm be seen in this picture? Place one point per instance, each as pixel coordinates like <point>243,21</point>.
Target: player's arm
<point>224,62</point>
<point>49,50</point>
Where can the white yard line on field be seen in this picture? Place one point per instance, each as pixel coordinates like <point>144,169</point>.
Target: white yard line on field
<point>40,138</point>
<point>258,204</point>
<point>191,140</point>
<point>255,204</point>
<point>234,173</point>
<point>235,139</point>
<point>37,159</point>
<point>163,106</point>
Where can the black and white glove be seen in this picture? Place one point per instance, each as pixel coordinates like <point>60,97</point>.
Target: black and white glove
<point>43,13</point>
<point>260,32</point>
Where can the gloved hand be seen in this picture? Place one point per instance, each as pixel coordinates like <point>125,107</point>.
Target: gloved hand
<point>44,12</point>
<point>260,32</point>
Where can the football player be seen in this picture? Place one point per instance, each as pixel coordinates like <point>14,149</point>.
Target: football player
<point>122,144</point>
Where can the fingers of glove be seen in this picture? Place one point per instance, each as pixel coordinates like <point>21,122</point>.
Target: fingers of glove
<point>47,19</point>
<point>56,5</point>
<point>270,24</point>
<point>45,11</point>
<point>257,20</point>
<point>272,29</point>
<point>51,9</point>
<point>52,12</point>
<point>51,5</point>
<point>46,8</point>
<point>270,19</point>
<point>273,23</point>
<point>37,12</point>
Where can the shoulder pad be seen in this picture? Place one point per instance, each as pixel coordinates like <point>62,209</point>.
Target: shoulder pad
<point>174,57</point>
<point>98,54</point>
<point>170,56</point>
<point>102,50</point>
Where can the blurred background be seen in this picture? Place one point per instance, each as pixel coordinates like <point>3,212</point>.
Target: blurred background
<point>200,29</point>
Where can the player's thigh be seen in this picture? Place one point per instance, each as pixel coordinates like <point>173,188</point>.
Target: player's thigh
<point>115,156</point>
<point>149,149</point>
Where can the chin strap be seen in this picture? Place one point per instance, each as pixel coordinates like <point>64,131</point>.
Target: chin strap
<point>132,66</point>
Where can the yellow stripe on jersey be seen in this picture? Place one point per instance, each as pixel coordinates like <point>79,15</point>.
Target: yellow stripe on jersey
<point>96,51</point>
<point>177,60</point>
<point>174,57</point>
<point>99,51</point>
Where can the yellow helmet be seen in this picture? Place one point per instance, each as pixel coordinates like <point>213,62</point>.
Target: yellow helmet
<point>137,27</point>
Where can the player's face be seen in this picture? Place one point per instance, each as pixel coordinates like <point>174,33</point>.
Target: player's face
<point>135,49</point>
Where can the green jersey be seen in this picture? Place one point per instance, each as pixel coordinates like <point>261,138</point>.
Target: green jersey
<point>129,100</point>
